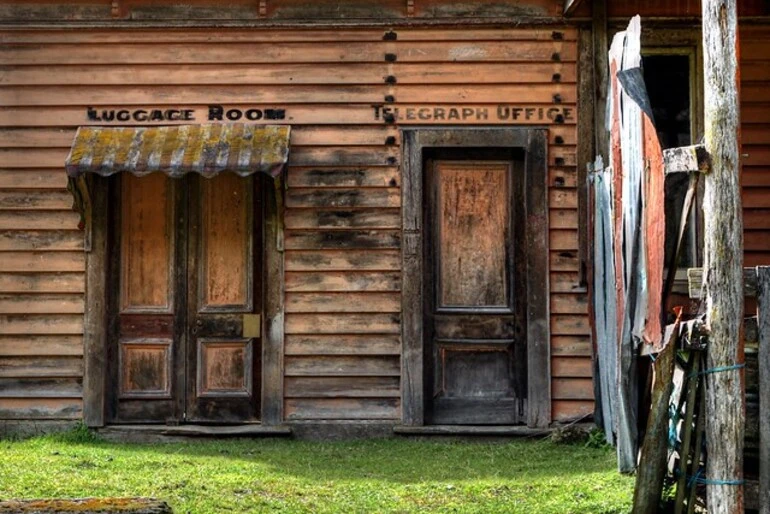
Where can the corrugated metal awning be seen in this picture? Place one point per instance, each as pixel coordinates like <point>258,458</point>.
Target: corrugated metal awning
<point>178,150</point>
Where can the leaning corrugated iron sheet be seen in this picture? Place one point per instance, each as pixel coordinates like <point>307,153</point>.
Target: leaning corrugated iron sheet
<point>628,248</point>
<point>178,150</point>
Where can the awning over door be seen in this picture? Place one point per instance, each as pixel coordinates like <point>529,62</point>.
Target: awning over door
<point>173,150</point>
<point>178,150</point>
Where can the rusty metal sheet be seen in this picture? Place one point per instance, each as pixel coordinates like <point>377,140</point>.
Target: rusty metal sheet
<point>178,150</point>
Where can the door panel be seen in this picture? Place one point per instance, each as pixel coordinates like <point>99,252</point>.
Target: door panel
<point>473,216</point>
<point>223,370</point>
<point>147,321</point>
<point>475,346</point>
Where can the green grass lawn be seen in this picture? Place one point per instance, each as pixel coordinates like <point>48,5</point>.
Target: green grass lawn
<point>297,476</point>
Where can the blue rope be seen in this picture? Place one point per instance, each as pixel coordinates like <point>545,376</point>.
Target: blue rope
<point>718,369</point>
<point>699,479</point>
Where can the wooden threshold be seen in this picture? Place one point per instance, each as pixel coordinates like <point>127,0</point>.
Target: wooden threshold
<point>472,430</point>
<point>251,430</point>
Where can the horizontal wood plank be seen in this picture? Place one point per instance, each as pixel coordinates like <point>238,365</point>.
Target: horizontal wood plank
<point>570,324</point>
<point>359,366</point>
<point>342,239</point>
<point>342,281</point>
<point>41,408</point>
<point>336,198</point>
<point>42,283</point>
<point>40,367</point>
<point>340,302</point>
<point>342,387</point>
<point>365,323</point>
<point>41,303</point>
<point>340,260</point>
<point>571,346</point>
<point>336,344</point>
<point>304,177</point>
<point>340,409</point>
<point>564,411</point>
<point>53,324</point>
<point>42,261</point>
<point>348,219</point>
<point>29,345</point>
<point>572,389</point>
<point>41,387</point>
<point>23,240</point>
<point>41,220</point>
<point>571,367</point>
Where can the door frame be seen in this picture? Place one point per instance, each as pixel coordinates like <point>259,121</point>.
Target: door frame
<point>96,316</point>
<point>534,143</point>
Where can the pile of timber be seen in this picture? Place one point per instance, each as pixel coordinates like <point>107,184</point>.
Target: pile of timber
<point>87,506</point>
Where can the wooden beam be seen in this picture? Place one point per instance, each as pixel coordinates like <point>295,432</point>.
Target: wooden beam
<point>695,282</point>
<point>601,78</point>
<point>763,332</point>
<point>686,159</point>
<point>723,259</point>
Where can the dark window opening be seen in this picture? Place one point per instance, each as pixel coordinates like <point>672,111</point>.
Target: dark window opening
<point>667,78</point>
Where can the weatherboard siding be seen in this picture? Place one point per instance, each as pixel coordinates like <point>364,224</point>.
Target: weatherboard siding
<point>340,91</point>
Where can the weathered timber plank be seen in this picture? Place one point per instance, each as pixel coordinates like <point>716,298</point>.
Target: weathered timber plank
<point>340,387</point>
<point>33,199</point>
<point>42,283</point>
<point>336,344</point>
<point>263,53</point>
<point>563,239</point>
<point>571,367</point>
<point>41,324</point>
<point>31,178</point>
<point>756,218</point>
<point>342,281</point>
<point>34,137</point>
<point>571,346</point>
<point>695,281</point>
<point>686,159</point>
<point>42,261</point>
<point>63,95</point>
<point>564,260</point>
<point>344,156</point>
<point>359,366</point>
<point>42,220</point>
<point>570,410</point>
<point>301,114</point>
<point>40,367</point>
<point>367,323</point>
<point>33,157</point>
<point>40,408</point>
<point>570,324</point>
<point>41,388</point>
<point>562,198</point>
<point>355,219</point>
<point>337,408</point>
<point>329,198</point>
<point>562,282</point>
<point>572,389</point>
<point>27,345</point>
<point>563,219</point>
<point>755,198</point>
<point>41,303</point>
<point>340,260</point>
<point>299,177</point>
<point>340,302</point>
<point>233,35</point>
<point>340,239</point>
<point>763,332</point>
<point>342,135</point>
<point>569,304</point>
<point>559,177</point>
<point>756,240</point>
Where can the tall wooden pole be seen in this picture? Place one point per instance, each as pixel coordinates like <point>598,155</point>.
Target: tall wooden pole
<point>723,259</point>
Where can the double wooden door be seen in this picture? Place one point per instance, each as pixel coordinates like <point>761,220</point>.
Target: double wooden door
<point>474,314</point>
<point>186,298</point>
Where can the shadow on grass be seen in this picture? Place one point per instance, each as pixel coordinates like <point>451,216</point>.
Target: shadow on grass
<point>392,460</point>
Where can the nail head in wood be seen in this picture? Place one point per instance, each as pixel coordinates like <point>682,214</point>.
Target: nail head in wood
<point>390,79</point>
<point>390,140</point>
<point>557,98</point>
<point>390,57</point>
<point>390,36</point>
<point>556,77</point>
<point>558,140</point>
<point>556,57</point>
<point>390,99</point>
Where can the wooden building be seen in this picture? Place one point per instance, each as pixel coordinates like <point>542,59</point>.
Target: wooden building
<point>421,258</point>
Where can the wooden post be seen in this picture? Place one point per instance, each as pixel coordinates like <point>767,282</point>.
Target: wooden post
<point>763,325</point>
<point>723,260</point>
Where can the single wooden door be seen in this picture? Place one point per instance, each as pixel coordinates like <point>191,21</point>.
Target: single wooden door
<point>224,300</point>
<point>474,323</point>
<point>185,325</point>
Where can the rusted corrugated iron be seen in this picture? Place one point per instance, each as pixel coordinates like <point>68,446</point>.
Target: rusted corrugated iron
<point>178,150</point>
